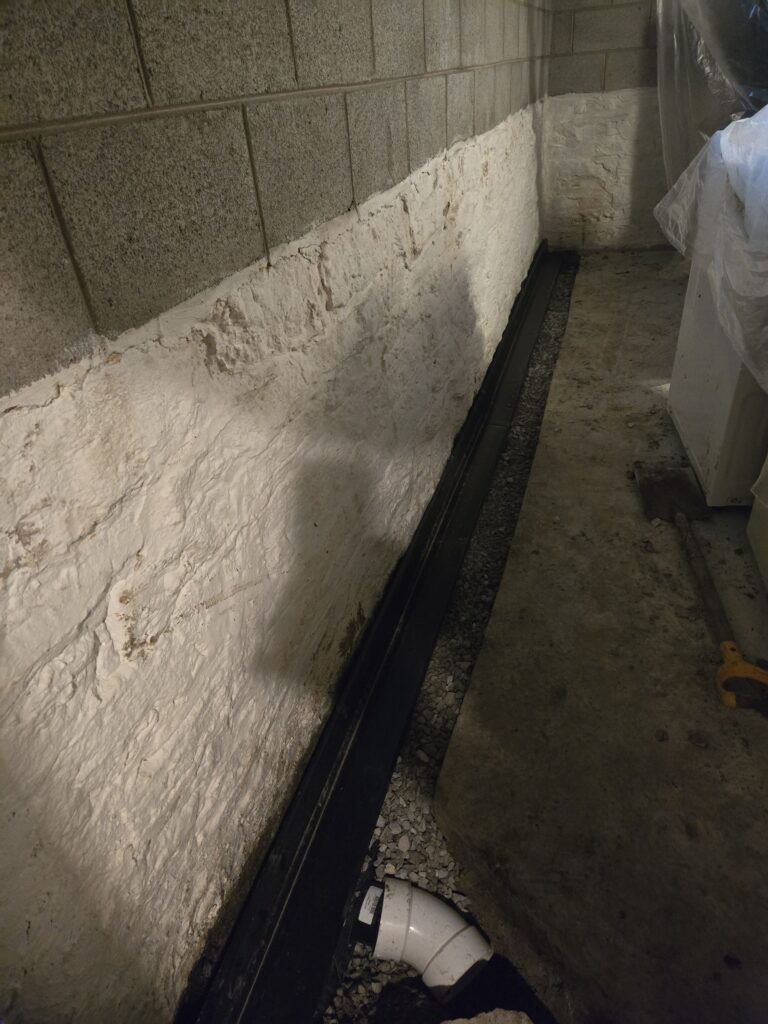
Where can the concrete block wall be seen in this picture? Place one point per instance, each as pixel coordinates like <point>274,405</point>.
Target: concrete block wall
<point>159,145</point>
<point>601,46</point>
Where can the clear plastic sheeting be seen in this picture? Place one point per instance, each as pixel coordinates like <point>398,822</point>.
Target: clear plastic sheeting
<point>717,214</point>
<point>713,65</point>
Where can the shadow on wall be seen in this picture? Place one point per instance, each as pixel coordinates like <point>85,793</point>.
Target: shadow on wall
<point>360,462</point>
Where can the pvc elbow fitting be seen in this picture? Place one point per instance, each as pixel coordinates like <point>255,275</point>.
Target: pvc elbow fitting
<point>428,934</point>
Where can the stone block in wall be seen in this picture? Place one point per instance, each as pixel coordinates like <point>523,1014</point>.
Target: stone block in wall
<point>377,138</point>
<point>511,29</point>
<point>562,33</point>
<point>442,33</point>
<point>460,106</point>
<point>301,153</point>
<point>627,69</point>
<point>519,96</point>
<point>535,80</point>
<point>199,51</point>
<point>66,59</point>
<point>502,91</point>
<point>43,317</point>
<point>426,118</point>
<point>494,30</point>
<point>629,26</point>
<point>398,38</point>
<point>485,97</point>
<point>332,41</point>
<point>472,32</point>
<point>580,73</point>
<point>156,209</point>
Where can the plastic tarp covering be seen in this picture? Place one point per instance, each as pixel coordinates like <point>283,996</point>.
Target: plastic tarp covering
<point>713,64</point>
<point>717,214</point>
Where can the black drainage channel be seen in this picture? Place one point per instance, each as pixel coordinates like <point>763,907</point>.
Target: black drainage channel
<point>275,966</point>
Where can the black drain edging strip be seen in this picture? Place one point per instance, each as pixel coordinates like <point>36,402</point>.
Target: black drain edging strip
<point>276,963</point>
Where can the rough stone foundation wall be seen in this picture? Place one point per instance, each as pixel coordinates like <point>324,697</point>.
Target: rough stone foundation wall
<point>602,170</point>
<point>198,518</point>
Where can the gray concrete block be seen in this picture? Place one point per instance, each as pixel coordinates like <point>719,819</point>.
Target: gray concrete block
<point>511,29</point>
<point>195,50</point>
<point>66,58</point>
<point>539,32</point>
<point>398,37</point>
<point>627,69</point>
<point>332,40</point>
<point>580,73</point>
<point>301,154</point>
<point>525,45</point>
<point>378,138</point>
<point>502,89</point>
<point>426,119</point>
<point>472,32</point>
<point>461,106</point>
<point>538,77</point>
<point>562,33</point>
<point>43,317</point>
<point>519,90</point>
<point>494,30</point>
<point>157,210</point>
<point>614,28</point>
<point>442,31</point>
<point>485,95</point>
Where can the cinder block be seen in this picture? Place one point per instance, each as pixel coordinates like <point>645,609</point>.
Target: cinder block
<point>43,318</point>
<point>610,29</point>
<point>426,118</point>
<point>511,29</point>
<point>442,29</point>
<point>580,73</point>
<point>538,76</point>
<point>627,69</point>
<point>525,46</point>
<point>377,135</point>
<point>472,32</point>
<point>302,159</point>
<point>461,106</point>
<point>66,58</point>
<point>494,30</point>
<point>539,32</point>
<point>398,38</point>
<point>157,209</point>
<point>332,40</point>
<point>562,33</point>
<point>519,89</point>
<point>502,88</point>
<point>200,51</point>
<point>485,94</point>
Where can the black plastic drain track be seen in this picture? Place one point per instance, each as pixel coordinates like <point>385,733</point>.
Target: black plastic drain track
<point>278,959</point>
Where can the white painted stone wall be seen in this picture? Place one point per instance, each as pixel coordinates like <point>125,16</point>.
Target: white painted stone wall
<point>197,520</point>
<point>602,169</point>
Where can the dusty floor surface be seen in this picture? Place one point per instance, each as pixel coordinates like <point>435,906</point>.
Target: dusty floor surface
<point>610,813</point>
<point>407,842</point>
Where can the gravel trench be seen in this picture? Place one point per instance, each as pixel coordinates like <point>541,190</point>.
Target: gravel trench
<point>406,842</point>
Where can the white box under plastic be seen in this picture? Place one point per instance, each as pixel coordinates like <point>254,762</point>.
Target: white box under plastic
<point>719,410</point>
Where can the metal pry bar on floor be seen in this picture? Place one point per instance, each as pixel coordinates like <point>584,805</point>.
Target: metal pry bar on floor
<point>672,493</point>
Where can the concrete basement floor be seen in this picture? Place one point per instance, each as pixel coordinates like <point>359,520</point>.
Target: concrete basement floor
<point>609,812</point>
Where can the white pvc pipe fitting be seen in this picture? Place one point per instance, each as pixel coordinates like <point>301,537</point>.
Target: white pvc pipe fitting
<point>428,934</point>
